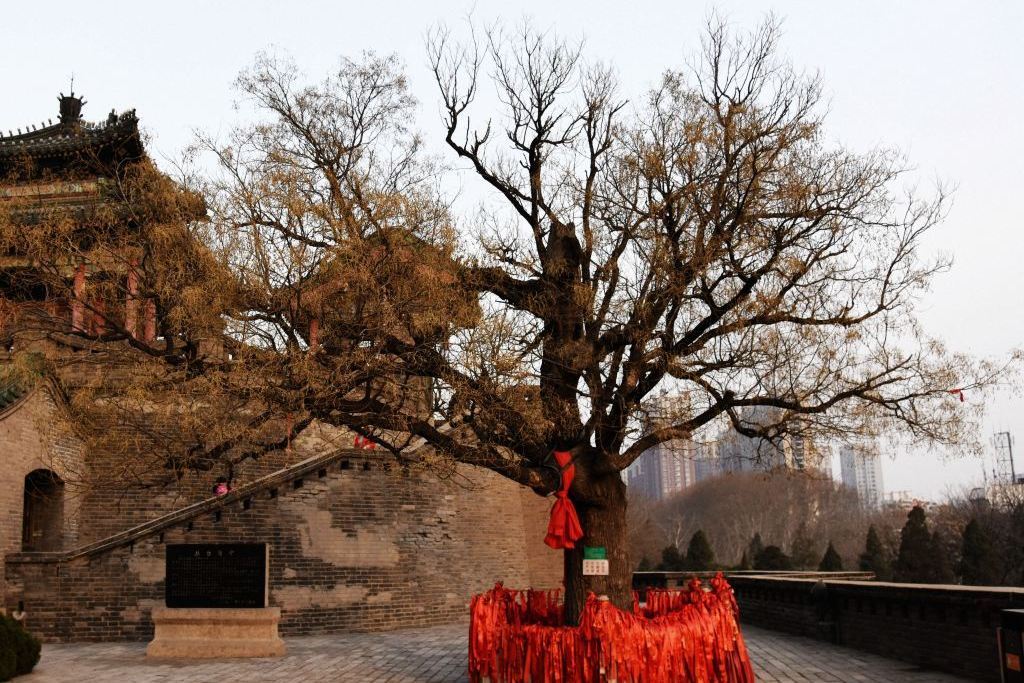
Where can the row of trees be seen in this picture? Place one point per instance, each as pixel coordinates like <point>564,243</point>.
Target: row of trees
<point>981,554</point>
<point>700,556</point>
<point>965,541</point>
<point>800,514</point>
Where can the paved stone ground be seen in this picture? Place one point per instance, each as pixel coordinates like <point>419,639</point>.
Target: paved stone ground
<point>430,654</point>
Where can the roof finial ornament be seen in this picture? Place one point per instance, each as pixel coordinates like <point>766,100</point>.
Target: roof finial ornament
<point>71,107</point>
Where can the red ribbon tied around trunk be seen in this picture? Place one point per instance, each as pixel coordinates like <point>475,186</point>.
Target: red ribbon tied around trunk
<point>564,527</point>
<point>688,635</point>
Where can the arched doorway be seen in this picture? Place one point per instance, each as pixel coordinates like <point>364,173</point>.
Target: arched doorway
<point>43,514</point>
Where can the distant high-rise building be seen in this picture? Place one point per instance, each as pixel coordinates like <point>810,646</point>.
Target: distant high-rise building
<point>803,454</point>
<point>663,470</point>
<point>734,452</point>
<point>861,467</point>
<point>707,464</point>
<point>668,467</point>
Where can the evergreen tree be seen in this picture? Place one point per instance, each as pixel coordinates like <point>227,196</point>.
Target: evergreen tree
<point>744,562</point>
<point>979,564</point>
<point>803,552</point>
<point>875,558</point>
<point>645,565</point>
<point>772,559</point>
<point>671,560</point>
<point>914,562</point>
<point>756,547</point>
<point>830,562</point>
<point>699,555</point>
<point>940,561</point>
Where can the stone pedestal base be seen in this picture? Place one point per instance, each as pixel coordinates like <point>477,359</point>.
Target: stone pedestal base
<point>212,633</point>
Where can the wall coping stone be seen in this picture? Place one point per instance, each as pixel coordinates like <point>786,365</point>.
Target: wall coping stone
<point>921,589</point>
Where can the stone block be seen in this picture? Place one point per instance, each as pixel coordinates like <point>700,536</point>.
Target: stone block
<point>206,633</point>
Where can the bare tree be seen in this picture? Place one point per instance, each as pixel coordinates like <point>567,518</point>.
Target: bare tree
<point>706,242</point>
<point>731,508</point>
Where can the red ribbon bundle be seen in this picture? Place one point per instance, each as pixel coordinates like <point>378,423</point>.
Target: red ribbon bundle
<point>564,526</point>
<point>680,635</point>
<point>364,443</point>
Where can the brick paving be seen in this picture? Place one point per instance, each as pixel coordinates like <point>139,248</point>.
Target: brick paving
<point>428,654</point>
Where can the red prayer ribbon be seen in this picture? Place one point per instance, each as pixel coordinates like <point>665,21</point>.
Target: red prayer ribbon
<point>364,443</point>
<point>958,392</point>
<point>678,635</point>
<point>564,527</point>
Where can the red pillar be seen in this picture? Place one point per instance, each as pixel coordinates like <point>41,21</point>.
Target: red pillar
<point>314,334</point>
<point>149,325</point>
<point>99,319</point>
<point>78,302</point>
<point>131,304</point>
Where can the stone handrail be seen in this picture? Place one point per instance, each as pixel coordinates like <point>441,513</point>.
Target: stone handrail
<point>189,512</point>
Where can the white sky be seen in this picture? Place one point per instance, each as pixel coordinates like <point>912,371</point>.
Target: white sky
<point>940,80</point>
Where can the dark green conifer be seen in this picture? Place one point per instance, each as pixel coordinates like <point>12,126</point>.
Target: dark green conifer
<point>941,562</point>
<point>699,555</point>
<point>803,551</point>
<point>773,559</point>
<point>830,561</point>
<point>671,560</point>
<point>756,547</point>
<point>979,563</point>
<point>875,558</point>
<point>744,562</point>
<point>914,562</point>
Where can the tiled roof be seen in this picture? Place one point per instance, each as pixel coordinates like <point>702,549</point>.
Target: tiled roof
<point>58,146</point>
<point>60,138</point>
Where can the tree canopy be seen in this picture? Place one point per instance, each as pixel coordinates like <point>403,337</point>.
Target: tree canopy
<point>699,555</point>
<point>875,557</point>
<point>914,563</point>
<point>707,240</point>
<point>830,561</point>
<point>772,558</point>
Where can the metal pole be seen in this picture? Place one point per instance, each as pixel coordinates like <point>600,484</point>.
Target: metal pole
<point>1009,448</point>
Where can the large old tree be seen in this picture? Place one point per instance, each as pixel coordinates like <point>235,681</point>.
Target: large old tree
<point>706,242</point>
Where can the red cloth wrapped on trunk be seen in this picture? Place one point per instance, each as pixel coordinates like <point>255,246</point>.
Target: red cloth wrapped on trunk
<point>564,527</point>
<point>680,636</point>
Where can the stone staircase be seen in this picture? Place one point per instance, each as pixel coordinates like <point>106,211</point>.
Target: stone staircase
<point>315,466</point>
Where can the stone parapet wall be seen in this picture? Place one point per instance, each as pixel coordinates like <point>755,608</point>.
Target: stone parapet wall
<point>354,546</point>
<point>948,628</point>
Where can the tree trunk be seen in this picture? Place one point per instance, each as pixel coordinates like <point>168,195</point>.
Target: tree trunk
<point>603,518</point>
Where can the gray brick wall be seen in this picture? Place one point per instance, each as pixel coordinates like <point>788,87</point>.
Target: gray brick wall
<point>369,546</point>
<point>358,548</point>
<point>948,628</point>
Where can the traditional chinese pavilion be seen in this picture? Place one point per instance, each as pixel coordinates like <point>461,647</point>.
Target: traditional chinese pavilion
<point>356,542</point>
<point>69,169</point>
